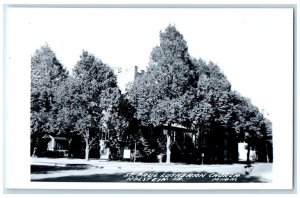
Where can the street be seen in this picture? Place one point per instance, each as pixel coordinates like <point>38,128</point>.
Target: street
<point>77,170</point>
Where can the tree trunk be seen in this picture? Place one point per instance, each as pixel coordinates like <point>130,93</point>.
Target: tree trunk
<point>69,148</point>
<point>87,149</point>
<point>267,152</point>
<point>35,147</point>
<point>34,152</point>
<point>248,153</point>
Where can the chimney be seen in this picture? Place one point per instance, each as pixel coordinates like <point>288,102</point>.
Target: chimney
<point>135,72</point>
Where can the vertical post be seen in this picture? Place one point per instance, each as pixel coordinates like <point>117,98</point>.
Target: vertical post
<point>167,133</point>
<point>134,157</point>
<point>194,140</point>
<point>168,149</point>
<point>174,138</point>
<point>267,152</point>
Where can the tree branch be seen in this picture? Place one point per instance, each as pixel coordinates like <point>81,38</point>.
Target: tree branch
<point>91,142</point>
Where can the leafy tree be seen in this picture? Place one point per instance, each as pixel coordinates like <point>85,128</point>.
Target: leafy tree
<point>179,89</point>
<point>207,106</point>
<point>249,123</point>
<point>67,115</point>
<point>91,102</point>
<point>266,131</point>
<point>209,101</point>
<point>251,126</point>
<point>158,95</point>
<point>47,73</point>
<point>215,108</point>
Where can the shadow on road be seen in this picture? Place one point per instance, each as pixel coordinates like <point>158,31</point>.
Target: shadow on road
<point>41,169</point>
<point>87,178</point>
<point>157,177</point>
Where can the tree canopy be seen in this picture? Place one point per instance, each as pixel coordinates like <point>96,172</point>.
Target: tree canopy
<point>179,89</point>
<point>47,74</point>
<point>175,89</point>
<point>92,100</point>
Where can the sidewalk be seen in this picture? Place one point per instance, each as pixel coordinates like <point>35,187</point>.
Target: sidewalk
<point>139,166</point>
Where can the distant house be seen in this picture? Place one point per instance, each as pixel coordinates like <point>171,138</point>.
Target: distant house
<point>57,145</point>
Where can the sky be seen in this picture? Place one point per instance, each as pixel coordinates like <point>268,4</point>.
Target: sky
<point>253,47</point>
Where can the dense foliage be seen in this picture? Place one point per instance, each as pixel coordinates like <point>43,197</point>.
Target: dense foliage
<point>86,103</point>
<point>176,89</point>
<point>47,74</point>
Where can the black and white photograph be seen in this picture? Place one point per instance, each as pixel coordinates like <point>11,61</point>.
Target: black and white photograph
<point>151,95</point>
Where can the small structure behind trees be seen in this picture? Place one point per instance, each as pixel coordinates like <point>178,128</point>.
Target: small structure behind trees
<point>57,146</point>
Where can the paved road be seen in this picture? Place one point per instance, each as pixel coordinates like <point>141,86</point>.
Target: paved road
<point>76,170</point>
